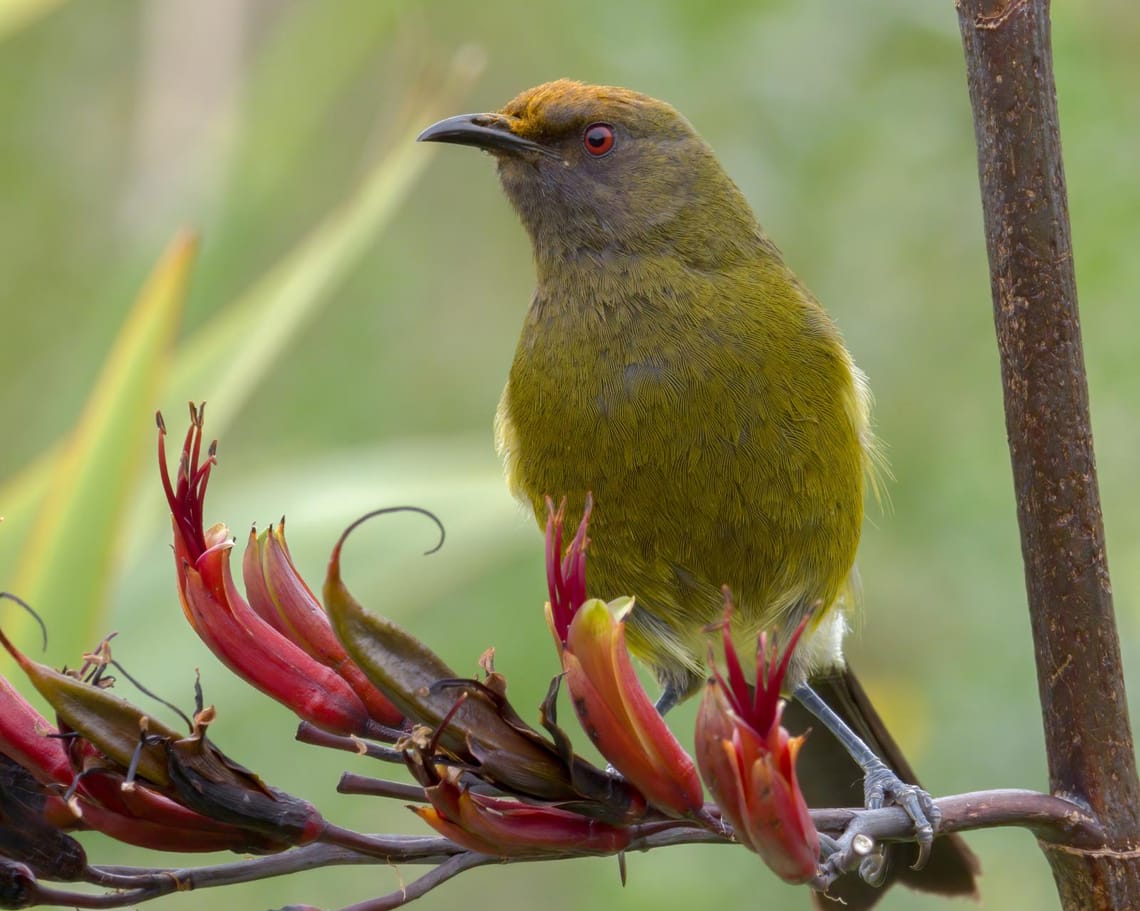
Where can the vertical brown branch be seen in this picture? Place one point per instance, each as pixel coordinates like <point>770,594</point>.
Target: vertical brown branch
<point>1088,739</point>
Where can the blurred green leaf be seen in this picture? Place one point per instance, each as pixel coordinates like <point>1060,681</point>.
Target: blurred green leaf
<point>20,500</point>
<point>228,357</point>
<point>65,565</point>
<point>337,44</point>
<point>18,14</point>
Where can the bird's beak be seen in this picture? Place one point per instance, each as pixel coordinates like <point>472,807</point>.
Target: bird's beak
<point>491,132</point>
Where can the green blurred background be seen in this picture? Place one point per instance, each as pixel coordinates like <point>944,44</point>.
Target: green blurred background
<point>848,127</point>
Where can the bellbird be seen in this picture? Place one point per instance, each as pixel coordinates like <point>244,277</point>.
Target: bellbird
<point>672,365</point>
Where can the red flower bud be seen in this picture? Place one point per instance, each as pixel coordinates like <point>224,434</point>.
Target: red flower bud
<point>282,598</point>
<point>748,761</point>
<point>610,701</point>
<point>139,815</point>
<point>24,738</point>
<point>510,828</point>
<point>618,715</point>
<point>104,733</point>
<point>240,638</point>
<point>565,574</point>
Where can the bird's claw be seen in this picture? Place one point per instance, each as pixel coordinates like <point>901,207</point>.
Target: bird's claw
<point>855,849</point>
<point>882,787</point>
<point>873,869</point>
<point>850,851</point>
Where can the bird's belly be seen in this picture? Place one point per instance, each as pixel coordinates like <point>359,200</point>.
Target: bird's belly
<point>687,499</point>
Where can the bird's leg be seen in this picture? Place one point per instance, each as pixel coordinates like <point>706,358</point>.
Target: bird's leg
<point>677,685</point>
<point>669,698</point>
<point>881,785</point>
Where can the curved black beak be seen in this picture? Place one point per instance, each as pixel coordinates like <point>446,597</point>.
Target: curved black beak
<point>491,132</point>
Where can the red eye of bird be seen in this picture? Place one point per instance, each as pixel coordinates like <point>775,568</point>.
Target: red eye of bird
<point>598,139</point>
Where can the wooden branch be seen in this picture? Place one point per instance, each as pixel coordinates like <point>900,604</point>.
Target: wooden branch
<point>1091,756</point>
<point>1051,818</point>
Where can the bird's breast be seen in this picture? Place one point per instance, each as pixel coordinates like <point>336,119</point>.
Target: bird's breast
<point>714,455</point>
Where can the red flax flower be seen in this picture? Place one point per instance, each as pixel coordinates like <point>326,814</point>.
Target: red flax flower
<point>748,761</point>
<point>610,701</point>
<point>282,598</point>
<point>505,827</point>
<point>565,574</point>
<point>76,775</point>
<point>287,659</point>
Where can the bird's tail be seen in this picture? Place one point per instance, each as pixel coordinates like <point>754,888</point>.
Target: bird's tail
<point>830,778</point>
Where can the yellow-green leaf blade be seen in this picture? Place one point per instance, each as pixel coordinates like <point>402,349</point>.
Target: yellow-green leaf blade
<point>64,568</point>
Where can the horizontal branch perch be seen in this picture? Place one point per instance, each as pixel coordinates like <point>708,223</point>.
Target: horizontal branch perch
<point>1049,818</point>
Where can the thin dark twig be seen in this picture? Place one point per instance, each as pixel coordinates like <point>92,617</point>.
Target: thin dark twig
<point>135,885</point>
<point>27,607</point>
<point>310,734</point>
<point>142,689</point>
<point>430,880</point>
<point>351,783</point>
<point>389,848</point>
<point>389,510</point>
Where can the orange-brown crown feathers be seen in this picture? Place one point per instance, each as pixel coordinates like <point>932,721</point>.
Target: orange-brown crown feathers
<point>555,109</point>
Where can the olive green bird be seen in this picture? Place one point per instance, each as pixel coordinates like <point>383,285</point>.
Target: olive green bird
<point>674,367</point>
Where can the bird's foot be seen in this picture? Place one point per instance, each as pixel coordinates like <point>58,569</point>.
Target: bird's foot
<point>858,848</point>
<point>883,788</point>
<point>853,850</point>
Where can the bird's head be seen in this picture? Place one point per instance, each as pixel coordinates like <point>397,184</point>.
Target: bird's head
<point>601,171</point>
